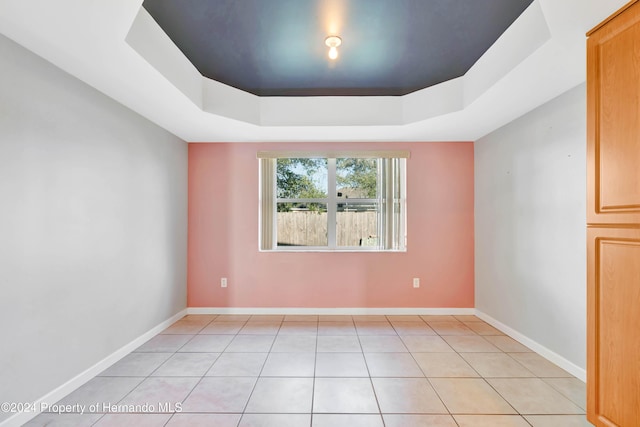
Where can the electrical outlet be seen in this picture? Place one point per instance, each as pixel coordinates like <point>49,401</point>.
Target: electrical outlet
<point>416,282</point>
<point>223,282</point>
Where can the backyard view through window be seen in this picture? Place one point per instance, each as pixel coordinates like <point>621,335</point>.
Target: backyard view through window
<point>332,203</point>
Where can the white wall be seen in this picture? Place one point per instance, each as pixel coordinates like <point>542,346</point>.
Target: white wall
<point>93,225</point>
<point>530,215</point>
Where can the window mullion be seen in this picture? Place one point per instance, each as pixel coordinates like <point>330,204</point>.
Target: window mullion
<point>321,201</point>
<point>332,203</point>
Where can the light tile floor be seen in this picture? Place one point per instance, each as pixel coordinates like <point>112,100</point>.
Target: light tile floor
<point>329,371</point>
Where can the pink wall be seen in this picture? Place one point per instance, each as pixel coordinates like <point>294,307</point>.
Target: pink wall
<point>223,236</point>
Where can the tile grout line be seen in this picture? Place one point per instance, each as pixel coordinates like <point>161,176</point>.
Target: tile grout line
<point>154,370</point>
<point>214,362</point>
<point>204,374</point>
<point>315,369</point>
<point>375,395</point>
<point>480,376</point>
<point>359,337</point>
<point>261,369</point>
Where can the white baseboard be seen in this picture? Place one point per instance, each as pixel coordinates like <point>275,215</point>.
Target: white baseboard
<point>543,351</point>
<point>343,311</point>
<point>79,380</point>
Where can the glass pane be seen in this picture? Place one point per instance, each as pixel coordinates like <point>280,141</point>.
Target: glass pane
<point>302,224</point>
<point>301,178</point>
<point>357,178</point>
<point>357,223</point>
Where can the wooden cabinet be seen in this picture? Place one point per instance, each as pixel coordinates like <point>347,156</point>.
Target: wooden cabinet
<point>613,367</point>
<point>613,217</point>
<point>613,119</point>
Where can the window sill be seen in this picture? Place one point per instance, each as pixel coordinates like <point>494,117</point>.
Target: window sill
<point>346,250</point>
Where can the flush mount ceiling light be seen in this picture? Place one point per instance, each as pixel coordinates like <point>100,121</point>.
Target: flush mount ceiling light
<point>333,42</point>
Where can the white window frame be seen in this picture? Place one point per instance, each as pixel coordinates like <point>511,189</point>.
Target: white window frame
<point>391,199</point>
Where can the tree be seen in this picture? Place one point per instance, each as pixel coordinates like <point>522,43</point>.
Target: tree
<point>358,174</point>
<point>294,181</point>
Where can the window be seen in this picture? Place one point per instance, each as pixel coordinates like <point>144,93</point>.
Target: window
<point>332,201</point>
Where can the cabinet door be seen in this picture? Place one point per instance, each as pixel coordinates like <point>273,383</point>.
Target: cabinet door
<point>613,105</point>
<point>613,333</point>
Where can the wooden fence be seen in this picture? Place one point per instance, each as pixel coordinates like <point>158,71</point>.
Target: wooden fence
<point>310,228</point>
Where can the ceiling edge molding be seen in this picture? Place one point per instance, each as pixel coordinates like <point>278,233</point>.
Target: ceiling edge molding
<point>528,33</point>
<point>87,39</point>
<point>520,40</point>
<point>156,48</point>
<point>226,101</point>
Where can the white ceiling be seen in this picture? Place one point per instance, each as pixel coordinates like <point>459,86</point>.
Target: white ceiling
<point>116,47</point>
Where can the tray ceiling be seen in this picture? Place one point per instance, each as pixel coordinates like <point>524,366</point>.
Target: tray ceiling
<point>390,47</point>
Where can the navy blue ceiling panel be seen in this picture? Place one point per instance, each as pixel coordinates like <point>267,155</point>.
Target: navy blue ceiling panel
<point>389,47</point>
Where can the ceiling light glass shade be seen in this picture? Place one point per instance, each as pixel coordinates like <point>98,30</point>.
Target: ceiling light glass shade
<point>333,42</point>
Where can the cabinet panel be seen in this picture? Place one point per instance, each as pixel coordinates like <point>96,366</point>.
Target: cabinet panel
<point>613,87</point>
<point>613,371</point>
